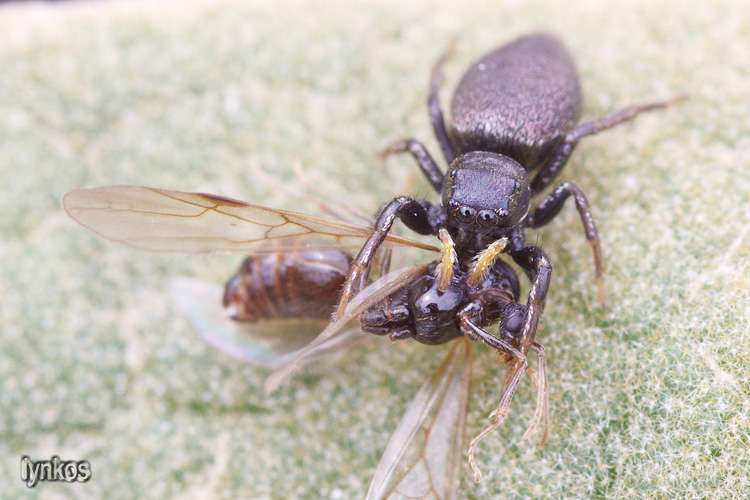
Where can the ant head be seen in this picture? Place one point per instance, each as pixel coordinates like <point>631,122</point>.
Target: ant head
<point>485,190</point>
<point>513,316</point>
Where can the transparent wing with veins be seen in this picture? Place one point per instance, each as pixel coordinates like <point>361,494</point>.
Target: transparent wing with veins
<point>175,221</point>
<point>423,458</point>
<point>164,220</point>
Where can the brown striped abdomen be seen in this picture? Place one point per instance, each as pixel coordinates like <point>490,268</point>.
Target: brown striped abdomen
<point>287,285</point>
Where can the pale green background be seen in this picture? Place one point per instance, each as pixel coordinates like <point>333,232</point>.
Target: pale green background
<point>648,400</point>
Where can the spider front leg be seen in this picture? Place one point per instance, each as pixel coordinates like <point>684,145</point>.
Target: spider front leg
<point>538,268</point>
<point>413,213</point>
<point>551,206</point>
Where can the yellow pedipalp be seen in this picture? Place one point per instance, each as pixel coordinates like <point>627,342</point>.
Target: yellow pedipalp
<point>447,260</point>
<point>484,261</point>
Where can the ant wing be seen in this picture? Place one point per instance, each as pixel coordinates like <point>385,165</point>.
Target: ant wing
<point>268,343</point>
<point>377,291</point>
<point>423,457</point>
<point>163,220</point>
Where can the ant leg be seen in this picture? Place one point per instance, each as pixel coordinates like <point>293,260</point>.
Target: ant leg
<point>536,264</point>
<point>354,211</point>
<point>517,365</point>
<point>542,399</point>
<point>360,267</point>
<point>277,186</point>
<point>474,332</point>
<point>512,379</point>
<point>385,262</point>
<point>551,206</point>
<point>550,171</point>
<point>422,156</point>
<point>433,103</point>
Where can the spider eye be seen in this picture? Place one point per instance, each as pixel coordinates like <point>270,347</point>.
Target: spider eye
<point>487,218</point>
<point>466,213</point>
